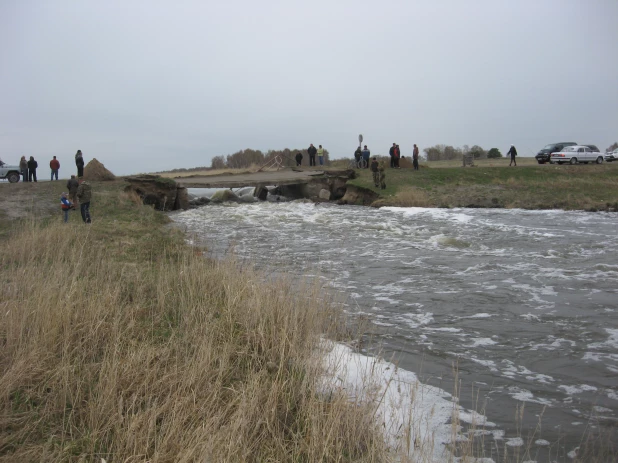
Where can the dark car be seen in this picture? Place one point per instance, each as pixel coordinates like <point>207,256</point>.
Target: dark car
<point>544,154</point>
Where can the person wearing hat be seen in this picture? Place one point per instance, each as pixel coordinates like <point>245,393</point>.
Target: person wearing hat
<point>513,153</point>
<point>66,206</point>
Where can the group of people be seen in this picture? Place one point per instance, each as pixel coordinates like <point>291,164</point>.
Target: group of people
<point>79,191</point>
<point>362,156</point>
<point>312,151</point>
<point>28,167</point>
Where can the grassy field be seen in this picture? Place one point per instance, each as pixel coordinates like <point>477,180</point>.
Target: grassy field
<point>493,184</point>
<point>119,341</point>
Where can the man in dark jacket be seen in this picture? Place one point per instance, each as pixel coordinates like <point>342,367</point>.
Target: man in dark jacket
<point>513,153</point>
<point>72,186</point>
<point>415,157</point>
<point>79,162</point>
<point>299,158</point>
<point>84,194</point>
<point>311,151</point>
<point>391,152</point>
<point>32,165</point>
<point>376,173</point>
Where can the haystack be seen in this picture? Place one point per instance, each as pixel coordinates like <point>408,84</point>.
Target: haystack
<point>96,171</point>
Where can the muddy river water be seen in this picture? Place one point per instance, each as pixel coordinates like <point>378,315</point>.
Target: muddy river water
<point>523,303</point>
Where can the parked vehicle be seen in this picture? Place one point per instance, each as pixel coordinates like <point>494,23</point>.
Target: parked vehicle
<point>10,173</point>
<point>544,155</point>
<point>611,156</point>
<point>593,148</point>
<point>575,154</point>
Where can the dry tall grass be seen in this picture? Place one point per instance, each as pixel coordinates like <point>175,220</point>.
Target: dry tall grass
<point>174,358</point>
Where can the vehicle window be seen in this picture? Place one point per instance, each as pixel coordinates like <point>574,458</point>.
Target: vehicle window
<point>568,149</point>
<point>580,150</point>
<point>550,147</point>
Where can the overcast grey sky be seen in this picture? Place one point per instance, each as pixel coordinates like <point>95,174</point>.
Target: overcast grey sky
<point>145,85</point>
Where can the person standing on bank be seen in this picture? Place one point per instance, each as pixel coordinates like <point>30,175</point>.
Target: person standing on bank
<point>513,153</point>
<point>311,151</point>
<point>72,186</point>
<point>23,167</point>
<point>396,156</point>
<point>376,173</point>
<point>32,165</point>
<point>415,157</point>
<point>391,152</point>
<point>366,156</point>
<point>79,162</point>
<point>299,158</point>
<point>84,194</point>
<point>321,155</point>
<point>54,165</point>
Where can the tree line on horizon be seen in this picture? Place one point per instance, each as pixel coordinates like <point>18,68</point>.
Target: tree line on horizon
<point>449,153</point>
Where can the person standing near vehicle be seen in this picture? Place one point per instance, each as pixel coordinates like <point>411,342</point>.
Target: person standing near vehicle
<point>79,162</point>
<point>391,152</point>
<point>72,186</point>
<point>513,153</point>
<point>84,194</point>
<point>366,156</point>
<point>32,165</point>
<point>311,151</point>
<point>23,167</point>
<point>54,165</point>
<point>299,158</point>
<point>415,157</point>
<point>321,155</point>
<point>375,171</point>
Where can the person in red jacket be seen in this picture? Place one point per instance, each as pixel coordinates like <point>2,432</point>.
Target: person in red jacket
<point>54,165</point>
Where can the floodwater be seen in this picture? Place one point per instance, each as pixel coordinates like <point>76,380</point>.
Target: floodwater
<point>521,304</point>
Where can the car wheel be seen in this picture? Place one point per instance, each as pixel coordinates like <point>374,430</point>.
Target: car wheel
<point>13,177</point>
<point>599,160</point>
<point>573,161</point>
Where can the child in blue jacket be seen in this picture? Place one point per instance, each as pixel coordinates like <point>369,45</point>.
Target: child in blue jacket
<point>66,206</point>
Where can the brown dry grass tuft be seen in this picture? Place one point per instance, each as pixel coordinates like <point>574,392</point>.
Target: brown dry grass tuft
<point>410,197</point>
<point>172,358</point>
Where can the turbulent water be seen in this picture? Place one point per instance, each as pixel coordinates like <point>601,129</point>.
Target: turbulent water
<point>524,303</point>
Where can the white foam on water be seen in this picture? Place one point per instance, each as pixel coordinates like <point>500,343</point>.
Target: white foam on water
<point>476,342</point>
<point>480,315</point>
<point>515,442</point>
<point>541,442</point>
<point>525,395</point>
<point>571,390</point>
<point>414,320</point>
<point>408,410</point>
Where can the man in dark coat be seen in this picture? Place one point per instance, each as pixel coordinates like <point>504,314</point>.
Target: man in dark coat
<point>513,153</point>
<point>72,186</point>
<point>299,158</point>
<point>311,151</point>
<point>391,152</point>
<point>415,157</point>
<point>32,165</point>
<point>84,194</point>
<point>79,162</point>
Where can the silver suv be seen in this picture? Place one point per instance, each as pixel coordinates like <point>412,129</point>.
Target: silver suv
<point>8,172</point>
